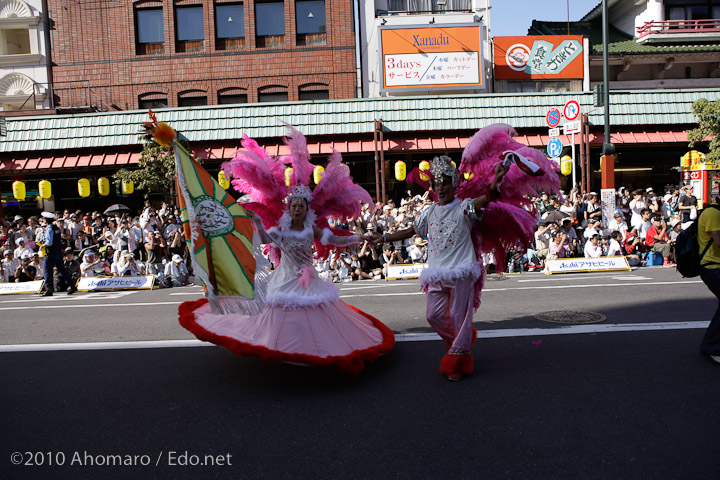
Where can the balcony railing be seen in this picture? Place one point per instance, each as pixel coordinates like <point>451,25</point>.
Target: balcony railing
<point>673,27</point>
<point>428,6</point>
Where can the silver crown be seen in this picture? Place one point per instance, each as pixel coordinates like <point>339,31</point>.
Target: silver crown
<point>443,165</point>
<point>300,191</point>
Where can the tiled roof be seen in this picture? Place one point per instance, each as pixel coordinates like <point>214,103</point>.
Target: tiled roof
<point>70,134</point>
<point>618,41</point>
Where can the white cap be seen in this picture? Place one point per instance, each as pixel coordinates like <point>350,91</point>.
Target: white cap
<point>48,215</point>
<point>177,258</point>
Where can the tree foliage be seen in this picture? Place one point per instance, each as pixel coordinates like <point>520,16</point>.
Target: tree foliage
<point>155,172</point>
<point>708,114</point>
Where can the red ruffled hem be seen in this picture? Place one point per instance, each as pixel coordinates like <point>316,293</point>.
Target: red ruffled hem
<point>352,364</point>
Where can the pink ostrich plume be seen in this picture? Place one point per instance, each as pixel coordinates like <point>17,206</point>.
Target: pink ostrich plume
<point>299,156</point>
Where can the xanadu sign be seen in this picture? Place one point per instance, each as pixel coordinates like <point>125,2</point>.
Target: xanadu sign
<point>538,57</point>
<point>441,57</point>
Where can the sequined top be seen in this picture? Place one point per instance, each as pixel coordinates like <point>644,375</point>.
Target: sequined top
<point>448,230</point>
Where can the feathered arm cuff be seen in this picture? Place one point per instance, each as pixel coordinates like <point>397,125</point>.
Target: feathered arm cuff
<point>328,238</point>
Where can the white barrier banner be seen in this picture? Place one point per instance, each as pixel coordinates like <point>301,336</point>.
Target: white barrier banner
<point>409,270</point>
<point>570,265</point>
<point>21,287</point>
<point>115,283</point>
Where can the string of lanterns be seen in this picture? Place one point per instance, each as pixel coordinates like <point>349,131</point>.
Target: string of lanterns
<point>45,188</point>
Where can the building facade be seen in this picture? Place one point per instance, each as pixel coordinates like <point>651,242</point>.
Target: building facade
<point>125,55</point>
<point>24,72</point>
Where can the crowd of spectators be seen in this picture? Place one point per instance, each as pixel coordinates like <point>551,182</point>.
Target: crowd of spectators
<point>643,228</point>
<point>643,225</point>
<point>97,244</point>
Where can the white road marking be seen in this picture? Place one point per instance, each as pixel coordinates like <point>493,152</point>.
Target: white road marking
<point>391,294</point>
<point>62,297</point>
<point>93,305</point>
<point>402,337</point>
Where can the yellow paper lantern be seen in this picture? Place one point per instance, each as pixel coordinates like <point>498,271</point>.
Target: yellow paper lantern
<point>18,189</point>
<point>468,175</point>
<point>400,171</point>
<point>103,185</point>
<point>222,180</point>
<point>45,189</point>
<point>317,174</point>
<point>566,165</point>
<point>288,176</point>
<point>128,187</point>
<point>84,187</point>
<point>424,166</point>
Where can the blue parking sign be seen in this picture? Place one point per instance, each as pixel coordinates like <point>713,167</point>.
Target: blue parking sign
<point>554,147</point>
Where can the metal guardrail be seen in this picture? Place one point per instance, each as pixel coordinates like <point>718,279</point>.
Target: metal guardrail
<point>670,27</point>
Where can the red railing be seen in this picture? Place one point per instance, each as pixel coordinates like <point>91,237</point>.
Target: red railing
<point>678,26</point>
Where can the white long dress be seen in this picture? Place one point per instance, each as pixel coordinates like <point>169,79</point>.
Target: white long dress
<point>297,324</point>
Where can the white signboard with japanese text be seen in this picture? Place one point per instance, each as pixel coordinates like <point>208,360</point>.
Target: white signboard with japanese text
<point>607,202</point>
<point>575,265</point>
<point>21,287</point>
<point>115,283</point>
<point>404,271</point>
<point>431,57</point>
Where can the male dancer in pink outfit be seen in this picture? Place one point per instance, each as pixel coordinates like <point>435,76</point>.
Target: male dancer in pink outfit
<point>453,270</point>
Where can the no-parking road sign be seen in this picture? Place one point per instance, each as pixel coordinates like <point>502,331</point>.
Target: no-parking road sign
<point>553,117</point>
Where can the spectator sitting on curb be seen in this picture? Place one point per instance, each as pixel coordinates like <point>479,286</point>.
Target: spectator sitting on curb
<point>39,268</point>
<point>25,272</point>
<point>593,249</point>
<point>21,249</point>
<point>176,273</point>
<point>73,268</point>
<point>10,265</point>
<point>92,265</point>
<point>657,240</point>
<point>633,248</point>
<point>418,250</point>
<point>559,246</point>
<point>614,245</point>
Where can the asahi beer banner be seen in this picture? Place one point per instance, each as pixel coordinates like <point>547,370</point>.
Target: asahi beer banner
<point>115,283</point>
<point>574,265</point>
<point>539,57</point>
<point>404,271</point>
<point>21,287</point>
<point>431,57</point>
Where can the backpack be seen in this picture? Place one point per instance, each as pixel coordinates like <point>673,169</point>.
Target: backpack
<point>687,250</point>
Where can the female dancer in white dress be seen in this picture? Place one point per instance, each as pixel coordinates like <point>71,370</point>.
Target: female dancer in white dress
<point>303,319</point>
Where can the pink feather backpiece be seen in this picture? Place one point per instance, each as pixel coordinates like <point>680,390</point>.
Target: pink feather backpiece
<point>510,220</point>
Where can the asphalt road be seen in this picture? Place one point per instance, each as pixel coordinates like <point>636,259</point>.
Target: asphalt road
<point>628,398</point>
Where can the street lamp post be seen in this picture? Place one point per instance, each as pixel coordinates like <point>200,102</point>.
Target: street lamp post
<point>608,164</point>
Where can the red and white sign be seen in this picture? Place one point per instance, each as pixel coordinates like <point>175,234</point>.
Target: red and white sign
<point>552,118</point>
<point>571,127</point>
<point>571,110</point>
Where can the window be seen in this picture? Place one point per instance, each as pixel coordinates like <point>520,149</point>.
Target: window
<point>272,93</point>
<point>270,24</point>
<point>691,10</point>
<point>532,86</point>
<point>152,100</point>
<point>310,19</point>
<point>232,95</point>
<point>192,98</point>
<point>150,33</point>
<point>189,29</point>
<point>14,42</point>
<point>314,91</point>
<point>229,26</point>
